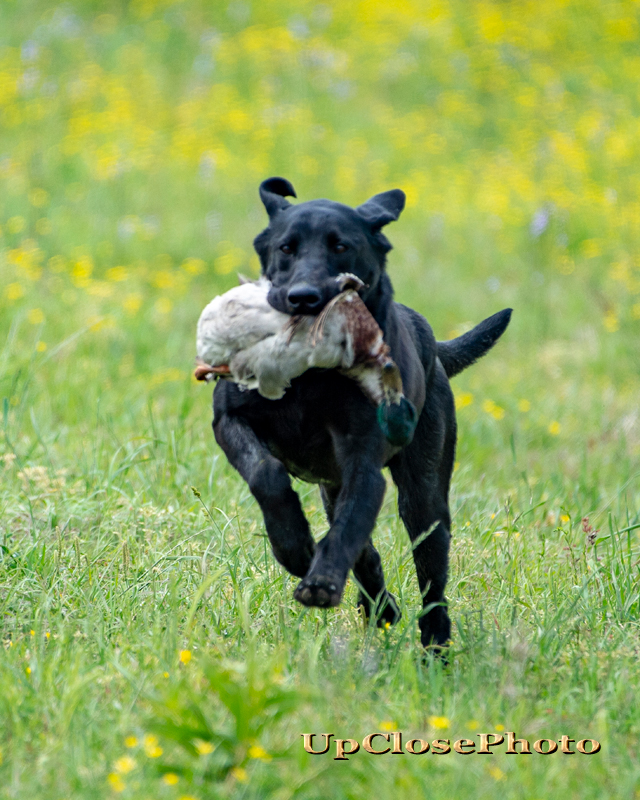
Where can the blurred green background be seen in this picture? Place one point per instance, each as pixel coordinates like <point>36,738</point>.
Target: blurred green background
<point>133,138</point>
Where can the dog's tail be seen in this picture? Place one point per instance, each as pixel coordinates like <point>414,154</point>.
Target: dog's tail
<point>458,354</point>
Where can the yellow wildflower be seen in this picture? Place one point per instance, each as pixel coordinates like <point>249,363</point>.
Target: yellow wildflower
<point>151,747</point>
<point>439,722</point>
<point>117,274</point>
<point>496,411</point>
<point>16,224</point>
<point>591,248</point>
<point>35,316</point>
<point>38,197</point>
<point>81,272</point>
<point>165,279</point>
<point>13,291</point>
<point>124,765</point>
<point>193,266</point>
<point>463,399</point>
<point>170,779</point>
<point>132,303</point>
<point>116,782</point>
<point>203,748</point>
<point>611,322</point>
<point>240,774</point>
<point>554,428</point>
<point>166,376</point>
<point>185,656</point>
<point>256,751</point>
<point>131,741</point>
<point>229,261</point>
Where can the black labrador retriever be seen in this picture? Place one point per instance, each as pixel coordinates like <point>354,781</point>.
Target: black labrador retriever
<point>324,429</point>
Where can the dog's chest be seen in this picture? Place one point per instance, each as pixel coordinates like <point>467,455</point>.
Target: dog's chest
<point>297,429</point>
<point>305,448</point>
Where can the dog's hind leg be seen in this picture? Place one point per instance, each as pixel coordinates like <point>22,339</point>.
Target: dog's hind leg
<point>422,472</point>
<point>427,522</point>
<point>269,482</point>
<point>373,597</point>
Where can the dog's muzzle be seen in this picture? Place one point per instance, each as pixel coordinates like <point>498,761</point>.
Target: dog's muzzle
<point>305,298</point>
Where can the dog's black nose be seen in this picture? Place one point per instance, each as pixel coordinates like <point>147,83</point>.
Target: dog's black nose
<point>304,297</point>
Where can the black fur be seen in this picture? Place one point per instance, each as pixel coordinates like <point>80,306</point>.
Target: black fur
<point>324,429</point>
<point>460,353</point>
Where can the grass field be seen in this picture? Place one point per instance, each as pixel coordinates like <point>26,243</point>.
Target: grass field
<point>150,644</point>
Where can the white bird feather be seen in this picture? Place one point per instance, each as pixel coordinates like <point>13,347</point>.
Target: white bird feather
<point>243,338</point>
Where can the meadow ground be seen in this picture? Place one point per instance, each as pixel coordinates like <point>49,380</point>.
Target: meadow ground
<point>150,644</point>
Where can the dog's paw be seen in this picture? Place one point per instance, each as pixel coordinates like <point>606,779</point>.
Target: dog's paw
<point>318,590</point>
<point>386,609</point>
<point>435,631</point>
<point>436,654</point>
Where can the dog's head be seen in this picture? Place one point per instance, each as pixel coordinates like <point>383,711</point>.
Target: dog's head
<point>307,245</point>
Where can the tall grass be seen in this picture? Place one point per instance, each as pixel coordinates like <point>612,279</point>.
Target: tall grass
<point>150,644</point>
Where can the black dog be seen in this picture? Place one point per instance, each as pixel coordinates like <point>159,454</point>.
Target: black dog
<point>324,429</point>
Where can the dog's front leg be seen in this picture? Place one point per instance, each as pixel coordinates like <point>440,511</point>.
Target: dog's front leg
<point>373,598</point>
<point>287,527</point>
<point>354,515</point>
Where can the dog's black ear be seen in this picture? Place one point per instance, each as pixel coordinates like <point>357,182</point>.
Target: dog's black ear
<point>382,208</point>
<point>273,192</point>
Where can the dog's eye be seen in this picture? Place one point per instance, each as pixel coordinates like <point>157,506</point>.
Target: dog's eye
<point>341,248</point>
<point>286,249</point>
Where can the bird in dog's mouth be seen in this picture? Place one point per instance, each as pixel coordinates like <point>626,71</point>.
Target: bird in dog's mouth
<point>244,339</point>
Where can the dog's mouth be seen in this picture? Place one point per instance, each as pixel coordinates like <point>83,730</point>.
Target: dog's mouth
<point>280,297</point>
